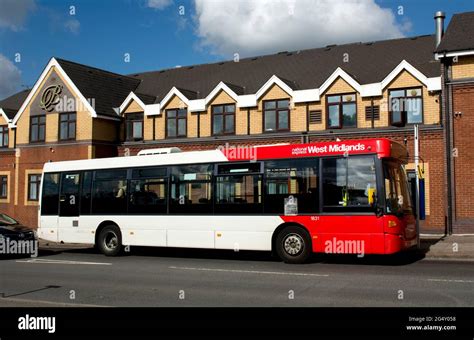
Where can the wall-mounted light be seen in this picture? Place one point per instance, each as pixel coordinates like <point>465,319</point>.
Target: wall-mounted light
<point>458,114</point>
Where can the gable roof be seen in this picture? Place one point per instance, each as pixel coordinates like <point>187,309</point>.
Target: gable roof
<point>12,104</point>
<point>459,35</point>
<point>306,69</point>
<point>107,88</point>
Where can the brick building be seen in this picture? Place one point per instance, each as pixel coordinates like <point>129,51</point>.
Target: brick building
<point>456,55</point>
<point>340,91</point>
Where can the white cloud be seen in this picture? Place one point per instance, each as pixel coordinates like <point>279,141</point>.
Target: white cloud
<point>158,4</point>
<point>72,25</point>
<point>13,13</point>
<point>11,77</point>
<point>265,26</point>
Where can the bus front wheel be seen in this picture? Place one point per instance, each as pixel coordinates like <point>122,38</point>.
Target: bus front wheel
<point>293,245</point>
<point>110,241</point>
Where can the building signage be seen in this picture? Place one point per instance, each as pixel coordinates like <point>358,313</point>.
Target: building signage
<point>50,97</point>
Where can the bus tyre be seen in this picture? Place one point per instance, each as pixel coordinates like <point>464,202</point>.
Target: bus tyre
<point>109,241</point>
<point>293,245</point>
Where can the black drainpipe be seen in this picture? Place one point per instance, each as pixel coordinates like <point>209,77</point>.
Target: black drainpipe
<point>449,146</point>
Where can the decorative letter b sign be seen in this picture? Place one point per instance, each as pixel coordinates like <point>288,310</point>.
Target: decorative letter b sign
<point>50,97</point>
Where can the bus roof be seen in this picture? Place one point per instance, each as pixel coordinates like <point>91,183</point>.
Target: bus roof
<point>382,147</point>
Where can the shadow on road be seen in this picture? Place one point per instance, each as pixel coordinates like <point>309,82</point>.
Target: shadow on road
<point>404,258</point>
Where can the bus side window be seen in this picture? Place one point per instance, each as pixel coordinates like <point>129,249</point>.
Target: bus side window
<point>50,199</point>
<point>148,190</point>
<point>349,184</point>
<point>86,193</point>
<point>109,194</point>
<point>191,189</point>
<point>239,188</point>
<point>297,178</point>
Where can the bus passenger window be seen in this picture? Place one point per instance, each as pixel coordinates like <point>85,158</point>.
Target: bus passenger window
<point>349,184</point>
<point>191,189</point>
<point>148,196</point>
<point>110,192</point>
<point>49,202</point>
<point>297,178</point>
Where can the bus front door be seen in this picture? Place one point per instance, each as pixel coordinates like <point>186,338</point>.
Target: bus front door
<point>69,207</point>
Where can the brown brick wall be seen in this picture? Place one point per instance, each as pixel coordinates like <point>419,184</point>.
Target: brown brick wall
<point>463,102</point>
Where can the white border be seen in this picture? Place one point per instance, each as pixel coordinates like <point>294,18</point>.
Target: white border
<point>453,54</point>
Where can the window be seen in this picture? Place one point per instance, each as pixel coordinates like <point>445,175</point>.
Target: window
<point>4,136</point>
<point>297,178</point>
<point>276,115</point>
<point>34,182</point>
<point>134,126</point>
<point>396,189</point>
<point>67,126</point>
<point>50,198</point>
<point>109,192</point>
<point>176,123</point>
<point>349,184</point>
<point>86,193</point>
<point>191,189</point>
<point>239,189</point>
<point>148,189</point>
<point>406,106</point>
<point>223,119</point>
<point>37,128</point>
<point>4,187</point>
<point>342,111</point>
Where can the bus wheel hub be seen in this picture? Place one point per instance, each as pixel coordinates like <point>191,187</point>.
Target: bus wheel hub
<point>293,244</point>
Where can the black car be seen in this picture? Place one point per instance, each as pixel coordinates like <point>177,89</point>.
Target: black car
<point>11,229</point>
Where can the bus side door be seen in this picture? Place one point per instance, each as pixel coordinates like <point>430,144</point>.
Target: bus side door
<point>68,221</point>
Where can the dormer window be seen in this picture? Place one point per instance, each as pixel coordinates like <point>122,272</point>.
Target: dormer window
<point>134,126</point>
<point>276,115</point>
<point>3,136</point>
<point>342,111</point>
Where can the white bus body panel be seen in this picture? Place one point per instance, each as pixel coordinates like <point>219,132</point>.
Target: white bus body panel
<point>48,228</point>
<point>193,231</point>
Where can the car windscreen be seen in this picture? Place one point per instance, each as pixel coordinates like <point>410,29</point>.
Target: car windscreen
<point>6,220</point>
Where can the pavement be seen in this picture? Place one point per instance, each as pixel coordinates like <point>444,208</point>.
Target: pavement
<point>452,247</point>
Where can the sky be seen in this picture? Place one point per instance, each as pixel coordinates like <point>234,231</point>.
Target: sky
<point>131,36</point>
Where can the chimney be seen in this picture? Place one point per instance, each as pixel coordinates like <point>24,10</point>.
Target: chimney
<point>439,21</point>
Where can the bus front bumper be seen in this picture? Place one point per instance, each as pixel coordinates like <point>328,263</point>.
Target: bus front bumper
<point>395,243</point>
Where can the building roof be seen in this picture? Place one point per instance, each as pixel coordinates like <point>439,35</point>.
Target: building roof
<point>107,88</point>
<point>367,63</point>
<point>12,104</point>
<point>306,69</point>
<point>459,34</point>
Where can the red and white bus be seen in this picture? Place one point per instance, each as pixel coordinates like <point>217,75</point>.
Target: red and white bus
<point>340,197</point>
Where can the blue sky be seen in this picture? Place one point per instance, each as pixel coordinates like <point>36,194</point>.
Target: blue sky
<point>157,34</point>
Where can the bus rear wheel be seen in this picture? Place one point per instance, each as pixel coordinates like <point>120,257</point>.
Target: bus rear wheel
<point>109,241</point>
<point>293,245</point>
